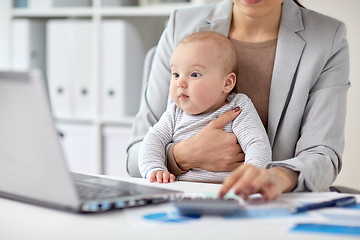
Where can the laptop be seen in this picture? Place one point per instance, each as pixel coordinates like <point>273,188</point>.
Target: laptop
<point>32,162</point>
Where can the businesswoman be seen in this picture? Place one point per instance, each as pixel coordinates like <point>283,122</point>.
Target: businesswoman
<point>293,64</point>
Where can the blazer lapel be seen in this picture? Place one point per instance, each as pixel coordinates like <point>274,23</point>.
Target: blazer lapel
<point>219,18</point>
<point>289,44</point>
<point>218,26</point>
<point>290,47</point>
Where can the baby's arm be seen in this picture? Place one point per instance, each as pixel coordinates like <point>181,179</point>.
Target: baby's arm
<point>152,150</point>
<point>162,177</point>
<point>252,135</point>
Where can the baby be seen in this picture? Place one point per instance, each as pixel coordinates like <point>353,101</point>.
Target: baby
<point>203,68</point>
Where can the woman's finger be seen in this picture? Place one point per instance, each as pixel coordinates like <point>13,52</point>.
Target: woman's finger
<point>230,181</point>
<point>244,185</point>
<point>262,179</point>
<point>225,118</point>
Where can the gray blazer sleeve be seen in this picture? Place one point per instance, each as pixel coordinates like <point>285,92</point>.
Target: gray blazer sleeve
<point>320,142</point>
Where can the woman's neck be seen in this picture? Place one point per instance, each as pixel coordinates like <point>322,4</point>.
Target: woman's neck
<point>254,28</point>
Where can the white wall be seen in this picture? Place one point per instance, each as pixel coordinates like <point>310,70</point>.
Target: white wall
<point>348,12</point>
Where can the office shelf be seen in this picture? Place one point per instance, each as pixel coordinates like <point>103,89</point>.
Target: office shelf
<point>52,13</point>
<point>75,129</point>
<point>123,121</point>
<point>120,11</point>
<point>107,133</point>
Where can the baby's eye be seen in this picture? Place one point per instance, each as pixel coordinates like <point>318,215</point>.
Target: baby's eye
<point>175,75</point>
<point>195,74</point>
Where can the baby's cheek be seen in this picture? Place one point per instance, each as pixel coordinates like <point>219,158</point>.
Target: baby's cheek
<point>205,97</point>
<point>173,94</point>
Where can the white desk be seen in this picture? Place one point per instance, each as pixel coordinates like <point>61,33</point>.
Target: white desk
<point>25,221</point>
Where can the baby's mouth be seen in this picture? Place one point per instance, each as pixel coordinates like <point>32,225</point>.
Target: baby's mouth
<point>183,96</point>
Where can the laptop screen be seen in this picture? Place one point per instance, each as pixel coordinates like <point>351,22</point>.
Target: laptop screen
<point>32,163</point>
<point>31,158</point>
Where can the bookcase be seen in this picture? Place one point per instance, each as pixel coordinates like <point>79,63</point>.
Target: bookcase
<point>91,52</point>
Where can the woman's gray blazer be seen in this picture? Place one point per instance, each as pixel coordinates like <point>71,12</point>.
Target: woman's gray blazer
<point>307,104</point>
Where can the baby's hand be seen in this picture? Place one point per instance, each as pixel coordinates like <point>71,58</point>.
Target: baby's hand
<point>162,177</point>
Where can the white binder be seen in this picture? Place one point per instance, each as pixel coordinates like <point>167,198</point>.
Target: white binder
<point>116,141</point>
<point>71,3</point>
<point>40,4</point>
<point>70,54</point>
<point>82,79</point>
<point>58,57</point>
<point>122,63</point>
<point>78,142</point>
<point>27,46</point>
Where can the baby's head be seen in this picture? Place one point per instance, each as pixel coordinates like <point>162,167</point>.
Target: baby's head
<point>218,46</point>
<point>203,68</point>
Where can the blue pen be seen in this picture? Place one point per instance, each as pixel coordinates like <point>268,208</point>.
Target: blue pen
<point>339,202</point>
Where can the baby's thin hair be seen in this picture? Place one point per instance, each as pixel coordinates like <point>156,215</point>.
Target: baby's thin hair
<point>223,45</point>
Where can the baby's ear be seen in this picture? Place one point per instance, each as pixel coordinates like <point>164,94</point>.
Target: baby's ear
<point>230,82</point>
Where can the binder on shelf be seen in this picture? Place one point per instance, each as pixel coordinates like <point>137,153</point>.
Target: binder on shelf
<point>115,142</point>
<point>81,68</point>
<point>71,3</point>
<point>32,4</point>
<point>78,142</point>
<point>122,63</point>
<point>40,4</point>
<point>58,56</point>
<point>27,47</point>
<point>117,3</point>
<point>20,3</point>
<point>69,55</point>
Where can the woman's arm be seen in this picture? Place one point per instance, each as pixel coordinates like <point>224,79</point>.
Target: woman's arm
<point>317,156</point>
<point>319,149</point>
<point>211,148</point>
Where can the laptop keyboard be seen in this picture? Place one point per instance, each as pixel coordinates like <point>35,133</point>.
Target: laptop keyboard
<point>103,194</point>
<point>91,192</point>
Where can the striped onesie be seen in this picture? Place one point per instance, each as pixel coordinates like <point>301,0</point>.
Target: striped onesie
<point>175,125</point>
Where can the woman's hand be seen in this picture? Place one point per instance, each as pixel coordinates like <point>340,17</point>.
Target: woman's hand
<point>211,148</point>
<point>248,179</point>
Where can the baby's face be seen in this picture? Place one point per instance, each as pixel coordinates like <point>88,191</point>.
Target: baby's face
<point>198,78</point>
